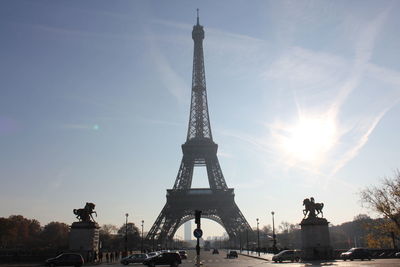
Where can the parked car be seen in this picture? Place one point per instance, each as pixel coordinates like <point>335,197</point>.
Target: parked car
<point>287,255</point>
<point>215,251</point>
<point>165,258</point>
<point>66,259</point>
<point>152,254</point>
<point>134,258</point>
<point>232,254</point>
<point>397,255</point>
<point>356,253</point>
<point>183,254</point>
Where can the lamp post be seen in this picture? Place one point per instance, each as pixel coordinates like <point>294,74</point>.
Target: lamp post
<point>126,234</point>
<point>247,241</point>
<point>273,233</point>
<point>258,238</point>
<point>141,247</point>
<point>240,241</point>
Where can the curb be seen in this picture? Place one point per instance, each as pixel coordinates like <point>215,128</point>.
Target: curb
<point>251,256</point>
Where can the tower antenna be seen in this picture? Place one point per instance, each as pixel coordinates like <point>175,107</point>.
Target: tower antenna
<point>198,17</point>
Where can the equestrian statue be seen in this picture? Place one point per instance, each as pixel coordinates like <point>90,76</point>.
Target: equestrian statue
<point>312,208</point>
<point>85,214</point>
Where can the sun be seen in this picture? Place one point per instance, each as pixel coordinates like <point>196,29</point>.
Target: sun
<point>310,138</point>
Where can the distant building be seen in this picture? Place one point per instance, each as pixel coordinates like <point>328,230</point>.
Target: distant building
<point>188,230</point>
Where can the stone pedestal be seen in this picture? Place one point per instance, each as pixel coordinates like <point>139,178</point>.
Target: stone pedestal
<point>84,239</point>
<point>315,239</point>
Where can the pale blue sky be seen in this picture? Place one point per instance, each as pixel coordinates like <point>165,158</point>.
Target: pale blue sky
<point>94,104</point>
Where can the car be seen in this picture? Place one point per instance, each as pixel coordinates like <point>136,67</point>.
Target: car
<point>287,255</point>
<point>152,254</point>
<point>165,258</point>
<point>66,259</point>
<point>134,258</point>
<point>356,253</point>
<point>232,254</point>
<point>215,251</point>
<point>183,254</point>
<point>397,255</point>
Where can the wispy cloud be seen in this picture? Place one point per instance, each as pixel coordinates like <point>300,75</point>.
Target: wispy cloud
<point>224,154</point>
<point>255,183</point>
<point>79,126</point>
<point>307,70</point>
<point>247,50</point>
<point>363,51</point>
<point>174,83</point>
<point>156,121</point>
<point>325,86</point>
<point>173,24</point>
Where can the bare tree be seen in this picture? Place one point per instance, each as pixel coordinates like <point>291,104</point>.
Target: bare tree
<point>385,198</point>
<point>108,229</point>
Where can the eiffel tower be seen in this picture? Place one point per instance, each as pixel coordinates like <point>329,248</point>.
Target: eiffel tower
<point>217,202</point>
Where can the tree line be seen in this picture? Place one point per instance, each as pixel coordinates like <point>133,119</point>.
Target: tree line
<point>20,233</point>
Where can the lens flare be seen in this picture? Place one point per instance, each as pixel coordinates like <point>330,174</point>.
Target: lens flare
<point>310,138</point>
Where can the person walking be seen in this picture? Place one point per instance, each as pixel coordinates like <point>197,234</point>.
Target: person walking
<point>100,256</point>
<point>107,257</point>
<point>112,256</point>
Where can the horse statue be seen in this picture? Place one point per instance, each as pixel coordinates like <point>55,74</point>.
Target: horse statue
<point>311,207</point>
<point>85,214</point>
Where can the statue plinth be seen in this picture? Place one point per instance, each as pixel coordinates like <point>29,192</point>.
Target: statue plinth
<point>315,239</point>
<point>84,238</point>
<point>85,225</point>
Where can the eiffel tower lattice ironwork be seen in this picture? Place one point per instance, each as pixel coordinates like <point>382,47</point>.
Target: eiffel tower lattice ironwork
<point>217,202</point>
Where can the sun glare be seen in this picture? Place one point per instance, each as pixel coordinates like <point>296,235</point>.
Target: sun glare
<point>310,138</point>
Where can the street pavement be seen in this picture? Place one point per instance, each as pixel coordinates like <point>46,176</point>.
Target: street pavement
<point>252,260</point>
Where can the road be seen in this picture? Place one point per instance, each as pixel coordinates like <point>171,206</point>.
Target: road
<point>220,260</point>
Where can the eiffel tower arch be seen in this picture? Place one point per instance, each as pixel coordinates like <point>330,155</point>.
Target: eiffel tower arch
<point>217,202</point>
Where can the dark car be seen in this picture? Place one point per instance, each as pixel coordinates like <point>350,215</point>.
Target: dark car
<point>183,254</point>
<point>66,259</point>
<point>215,251</point>
<point>287,255</point>
<point>232,254</point>
<point>165,258</point>
<point>356,253</point>
<point>134,258</point>
<point>152,254</point>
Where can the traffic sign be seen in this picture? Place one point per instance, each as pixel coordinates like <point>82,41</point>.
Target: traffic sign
<point>197,233</point>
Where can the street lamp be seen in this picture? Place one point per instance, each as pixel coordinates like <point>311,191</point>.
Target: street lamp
<point>273,233</point>
<point>126,234</point>
<point>141,249</point>
<point>240,241</point>
<point>258,239</point>
<point>247,241</point>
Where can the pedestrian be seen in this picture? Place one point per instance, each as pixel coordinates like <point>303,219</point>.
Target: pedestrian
<point>112,256</point>
<point>116,256</point>
<point>100,256</point>
<point>107,257</point>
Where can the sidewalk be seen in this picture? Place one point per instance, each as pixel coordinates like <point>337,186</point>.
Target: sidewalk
<point>263,256</point>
